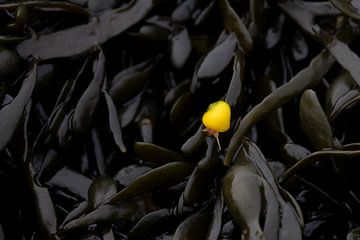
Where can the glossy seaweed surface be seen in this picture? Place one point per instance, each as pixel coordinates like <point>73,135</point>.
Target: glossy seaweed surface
<point>101,109</point>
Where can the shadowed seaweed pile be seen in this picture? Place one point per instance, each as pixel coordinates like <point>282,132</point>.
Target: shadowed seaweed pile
<point>101,133</point>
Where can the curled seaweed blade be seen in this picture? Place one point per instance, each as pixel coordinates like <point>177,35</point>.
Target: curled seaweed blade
<point>314,122</point>
<point>218,58</point>
<point>235,89</point>
<point>194,142</point>
<point>253,154</point>
<point>81,209</point>
<point>163,176</point>
<point>130,82</point>
<point>11,114</point>
<point>317,156</point>
<point>85,110</point>
<point>128,111</point>
<point>176,92</point>
<point>182,111</point>
<point>196,189</point>
<point>216,222</point>
<point>115,123</point>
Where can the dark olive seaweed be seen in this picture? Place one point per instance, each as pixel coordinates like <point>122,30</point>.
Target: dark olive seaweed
<point>342,95</point>
<point>316,156</point>
<point>163,176</point>
<point>131,210</point>
<point>216,222</point>
<point>210,162</point>
<point>349,8</point>
<point>233,23</point>
<point>180,47</point>
<point>127,111</point>
<point>217,59</point>
<point>307,78</point>
<point>80,39</point>
<point>106,131</point>
<point>249,213</point>
<point>283,219</point>
<point>181,111</point>
<point>195,226</point>
<point>196,187</point>
<point>194,142</point>
<point>156,154</point>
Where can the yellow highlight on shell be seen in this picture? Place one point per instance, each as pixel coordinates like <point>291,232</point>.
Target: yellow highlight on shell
<point>217,117</point>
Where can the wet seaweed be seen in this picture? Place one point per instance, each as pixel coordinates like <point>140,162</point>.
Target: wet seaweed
<point>105,112</point>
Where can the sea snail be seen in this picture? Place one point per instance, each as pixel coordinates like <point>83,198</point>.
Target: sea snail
<point>216,119</point>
